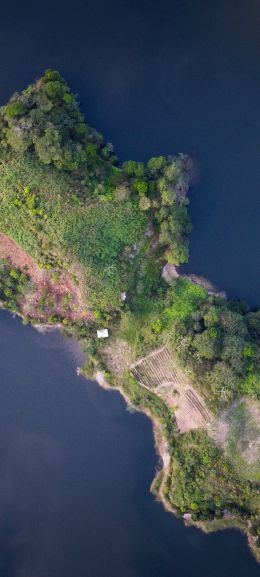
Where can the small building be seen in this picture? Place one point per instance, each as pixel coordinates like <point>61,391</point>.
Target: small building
<point>102,333</point>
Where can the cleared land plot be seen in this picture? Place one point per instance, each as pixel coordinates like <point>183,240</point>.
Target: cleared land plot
<point>159,372</point>
<point>237,431</point>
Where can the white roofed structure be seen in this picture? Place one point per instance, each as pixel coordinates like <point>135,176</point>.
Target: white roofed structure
<point>102,333</point>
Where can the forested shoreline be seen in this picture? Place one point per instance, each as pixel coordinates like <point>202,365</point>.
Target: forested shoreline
<point>99,235</point>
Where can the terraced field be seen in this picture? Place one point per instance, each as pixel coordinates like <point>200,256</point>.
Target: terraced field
<point>159,372</point>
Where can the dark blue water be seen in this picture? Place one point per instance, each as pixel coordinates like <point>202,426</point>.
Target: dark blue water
<point>178,75</point>
<point>75,471</point>
<point>75,467</point>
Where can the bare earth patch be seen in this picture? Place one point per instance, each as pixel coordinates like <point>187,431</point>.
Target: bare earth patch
<point>237,431</point>
<point>48,297</point>
<point>118,357</point>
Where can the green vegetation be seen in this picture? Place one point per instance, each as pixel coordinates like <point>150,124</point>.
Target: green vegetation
<point>66,201</point>
<point>243,440</point>
<point>211,336</point>
<point>13,286</point>
<point>64,198</point>
<point>203,481</point>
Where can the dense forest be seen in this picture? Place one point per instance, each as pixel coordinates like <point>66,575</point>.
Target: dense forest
<point>68,203</point>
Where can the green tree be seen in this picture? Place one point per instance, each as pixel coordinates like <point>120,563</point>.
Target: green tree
<point>133,168</point>
<point>156,164</point>
<point>144,203</point>
<point>232,352</point>
<point>18,139</point>
<point>48,146</point>
<point>224,383</point>
<point>141,186</point>
<point>14,108</point>
<point>208,343</point>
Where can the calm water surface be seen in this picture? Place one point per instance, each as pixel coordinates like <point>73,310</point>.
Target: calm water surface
<point>75,467</point>
<point>178,75</point>
<point>75,471</point>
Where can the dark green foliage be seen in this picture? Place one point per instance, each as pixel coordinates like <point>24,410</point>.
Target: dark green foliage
<point>46,117</point>
<point>205,483</point>
<point>253,323</point>
<point>255,531</point>
<point>158,185</point>
<point>208,343</point>
<point>13,285</point>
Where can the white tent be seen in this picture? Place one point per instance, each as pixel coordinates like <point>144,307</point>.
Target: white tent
<point>102,333</point>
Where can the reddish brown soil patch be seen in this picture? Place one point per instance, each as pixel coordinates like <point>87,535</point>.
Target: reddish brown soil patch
<point>47,297</point>
<point>19,258</point>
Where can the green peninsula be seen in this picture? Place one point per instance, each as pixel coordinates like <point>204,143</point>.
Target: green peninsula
<point>92,247</point>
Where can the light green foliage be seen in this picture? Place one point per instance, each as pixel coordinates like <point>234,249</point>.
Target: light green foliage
<point>141,186</point>
<point>184,298</point>
<point>178,253</point>
<point>203,481</point>
<point>97,237</point>
<point>168,196</point>
<point>14,108</point>
<point>39,212</point>
<point>251,385</point>
<point>32,200</point>
<point>17,138</point>
<point>212,316</point>
<point>144,203</point>
<point>156,164</point>
<point>243,440</point>
<point>132,168</point>
<point>249,350</point>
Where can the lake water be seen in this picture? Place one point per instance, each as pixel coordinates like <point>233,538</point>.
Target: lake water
<point>75,471</point>
<point>181,75</point>
<point>75,467</point>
